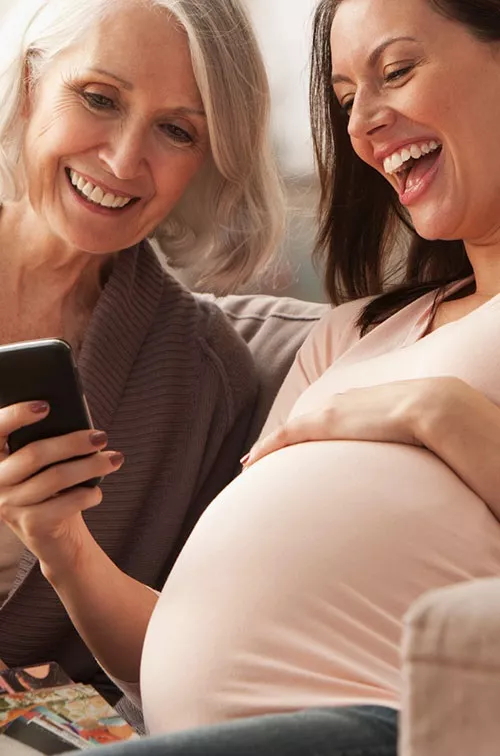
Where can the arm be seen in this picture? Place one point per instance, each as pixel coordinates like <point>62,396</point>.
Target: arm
<point>109,609</point>
<point>327,340</point>
<point>42,502</point>
<point>453,420</point>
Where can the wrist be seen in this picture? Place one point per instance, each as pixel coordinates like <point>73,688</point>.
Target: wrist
<point>65,565</point>
<point>434,415</point>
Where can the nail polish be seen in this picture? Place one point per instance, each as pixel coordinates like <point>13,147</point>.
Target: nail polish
<point>98,438</point>
<point>38,408</point>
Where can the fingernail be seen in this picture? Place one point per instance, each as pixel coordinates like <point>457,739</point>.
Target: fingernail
<point>245,459</point>
<point>116,459</point>
<point>98,438</point>
<point>38,408</point>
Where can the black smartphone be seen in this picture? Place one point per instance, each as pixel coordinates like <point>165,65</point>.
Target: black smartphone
<point>44,370</point>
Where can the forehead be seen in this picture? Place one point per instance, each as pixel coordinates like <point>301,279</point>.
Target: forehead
<point>360,26</point>
<point>143,45</point>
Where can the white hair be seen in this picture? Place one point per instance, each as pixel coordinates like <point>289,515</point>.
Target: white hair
<point>230,219</point>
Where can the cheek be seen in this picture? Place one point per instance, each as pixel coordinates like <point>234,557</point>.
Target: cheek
<point>53,136</point>
<point>364,151</point>
<point>174,176</point>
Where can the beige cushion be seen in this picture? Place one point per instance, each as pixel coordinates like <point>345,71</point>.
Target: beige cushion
<point>451,672</point>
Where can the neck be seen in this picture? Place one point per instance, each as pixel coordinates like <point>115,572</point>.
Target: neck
<point>485,261</point>
<point>32,258</point>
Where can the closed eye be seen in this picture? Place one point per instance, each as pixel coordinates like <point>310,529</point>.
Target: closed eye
<point>346,107</point>
<point>177,134</point>
<point>399,73</point>
<point>98,101</point>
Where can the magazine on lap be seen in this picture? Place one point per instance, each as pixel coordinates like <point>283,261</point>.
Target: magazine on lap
<point>43,712</point>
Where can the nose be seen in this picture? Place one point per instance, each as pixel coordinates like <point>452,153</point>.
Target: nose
<point>369,115</point>
<point>124,153</point>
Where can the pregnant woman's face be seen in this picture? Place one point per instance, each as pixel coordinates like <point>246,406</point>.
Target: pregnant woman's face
<point>116,131</point>
<point>420,93</point>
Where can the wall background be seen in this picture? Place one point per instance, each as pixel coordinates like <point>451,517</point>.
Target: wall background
<point>284,28</point>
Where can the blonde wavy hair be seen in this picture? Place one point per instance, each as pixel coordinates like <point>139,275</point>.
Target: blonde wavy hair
<point>230,220</point>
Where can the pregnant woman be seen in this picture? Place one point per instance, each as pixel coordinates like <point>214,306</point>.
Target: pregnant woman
<point>278,630</point>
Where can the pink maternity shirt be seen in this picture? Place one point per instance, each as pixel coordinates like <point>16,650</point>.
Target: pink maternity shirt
<point>292,589</point>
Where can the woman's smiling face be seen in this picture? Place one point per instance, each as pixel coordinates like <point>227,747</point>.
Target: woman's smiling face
<point>116,131</point>
<point>421,96</point>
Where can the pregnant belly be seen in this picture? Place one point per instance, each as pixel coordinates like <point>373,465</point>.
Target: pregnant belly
<point>292,588</point>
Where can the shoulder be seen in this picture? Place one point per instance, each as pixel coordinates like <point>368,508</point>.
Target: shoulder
<point>333,335</point>
<point>274,328</point>
<point>192,340</point>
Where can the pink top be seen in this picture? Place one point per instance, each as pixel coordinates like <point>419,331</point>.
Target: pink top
<point>292,589</point>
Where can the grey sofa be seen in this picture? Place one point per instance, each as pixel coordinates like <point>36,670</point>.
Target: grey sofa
<point>451,642</point>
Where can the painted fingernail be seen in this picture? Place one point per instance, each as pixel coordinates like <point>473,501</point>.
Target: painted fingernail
<point>244,460</point>
<point>116,459</point>
<point>38,408</point>
<point>98,438</point>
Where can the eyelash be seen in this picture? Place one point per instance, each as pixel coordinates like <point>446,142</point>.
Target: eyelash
<point>98,101</point>
<point>101,102</point>
<point>388,79</point>
<point>398,74</point>
<point>177,134</point>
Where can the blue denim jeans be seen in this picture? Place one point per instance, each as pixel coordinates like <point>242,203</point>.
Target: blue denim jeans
<point>341,731</point>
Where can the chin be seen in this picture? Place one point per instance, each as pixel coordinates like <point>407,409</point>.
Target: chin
<point>436,227</point>
<point>97,244</point>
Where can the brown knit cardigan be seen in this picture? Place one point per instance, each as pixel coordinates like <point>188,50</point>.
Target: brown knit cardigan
<point>174,387</point>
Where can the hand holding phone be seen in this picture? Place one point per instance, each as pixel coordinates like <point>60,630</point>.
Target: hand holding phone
<point>43,370</point>
<point>49,473</point>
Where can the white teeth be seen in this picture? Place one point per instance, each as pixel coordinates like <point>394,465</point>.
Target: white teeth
<point>393,163</point>
<point>96,194</point>
<point>396,162</point>
<point>88,189</point>
<point>108,200</point>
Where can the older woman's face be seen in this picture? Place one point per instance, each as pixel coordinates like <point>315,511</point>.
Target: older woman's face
<point>421,96</point>
<point>116,132</point>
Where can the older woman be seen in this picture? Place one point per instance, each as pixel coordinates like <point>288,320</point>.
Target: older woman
<point>119,122</point>
<point>288,599</point>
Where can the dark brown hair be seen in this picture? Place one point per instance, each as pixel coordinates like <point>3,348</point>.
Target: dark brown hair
<point>360,217</point>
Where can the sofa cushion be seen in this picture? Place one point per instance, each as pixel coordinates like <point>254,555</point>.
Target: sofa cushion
<point>451,672</point>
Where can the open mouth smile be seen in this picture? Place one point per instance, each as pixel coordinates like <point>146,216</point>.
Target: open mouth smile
<point>410,165</point>
<point>97,195</point>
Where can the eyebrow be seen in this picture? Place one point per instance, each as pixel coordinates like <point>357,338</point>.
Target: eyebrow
<point>123,82</point>
<point>373,57</point>
<point>182,110</point>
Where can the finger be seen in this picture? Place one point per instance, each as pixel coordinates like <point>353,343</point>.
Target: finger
<point>311,427</point>
<point>16,416</point>
<point>64,476</point>
<point>32,458</point>
<point>72,502</point>
<point>27,521</point>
